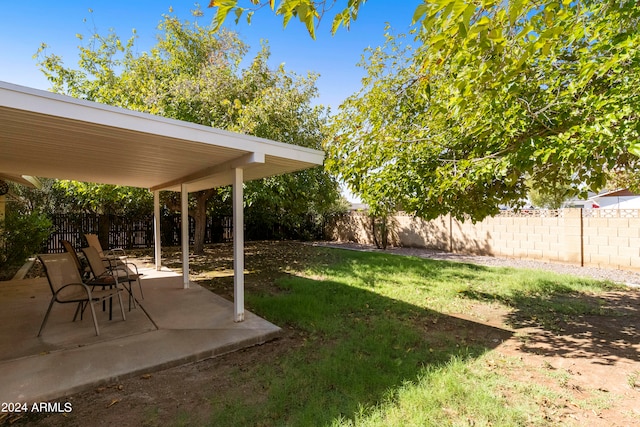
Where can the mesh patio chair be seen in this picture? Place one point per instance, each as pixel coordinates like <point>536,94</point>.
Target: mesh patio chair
<point>117,274</point>
<point>67,288</point>
<point>113,258</point>
<point>93,241</point>
<point>83,269</point>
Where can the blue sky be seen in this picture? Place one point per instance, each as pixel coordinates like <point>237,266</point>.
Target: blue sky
<point>24,25</point>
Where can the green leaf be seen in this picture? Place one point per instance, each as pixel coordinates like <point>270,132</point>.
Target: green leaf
<point>515,10</point>
<point>462,30</point>
<point>337,21</point>
<point>224,7</point>
<point>419,13</point>
<point>307,15</point>
<point>467,15</point>
<point>459,7</point>
<point>238,11</point>
<point>635,149</point>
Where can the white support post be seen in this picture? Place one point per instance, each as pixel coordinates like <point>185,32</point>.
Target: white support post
<point>156,230</point>
<point>238,245</point>
<point>185,235</point>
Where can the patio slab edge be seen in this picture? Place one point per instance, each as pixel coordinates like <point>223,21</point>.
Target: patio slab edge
<point>39,379</point>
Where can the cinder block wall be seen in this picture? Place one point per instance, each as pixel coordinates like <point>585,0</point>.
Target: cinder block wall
<point>612,242</point>
<point>563,236</point>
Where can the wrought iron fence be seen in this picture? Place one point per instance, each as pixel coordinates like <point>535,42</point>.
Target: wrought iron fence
<point>130,233</point>
<point>135,233</point>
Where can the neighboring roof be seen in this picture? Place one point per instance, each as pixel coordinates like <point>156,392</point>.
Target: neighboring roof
<point>357,206</point>
<point>621,192</point>
<point>56,136</point>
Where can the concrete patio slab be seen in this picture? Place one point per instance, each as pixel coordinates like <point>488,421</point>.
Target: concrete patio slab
<point>182,326</point>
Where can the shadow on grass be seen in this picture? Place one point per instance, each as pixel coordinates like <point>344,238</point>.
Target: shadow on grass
<point>355,349</point>
<point>575,324</point>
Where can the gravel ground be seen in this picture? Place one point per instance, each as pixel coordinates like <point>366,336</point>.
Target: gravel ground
<point>627,277</point>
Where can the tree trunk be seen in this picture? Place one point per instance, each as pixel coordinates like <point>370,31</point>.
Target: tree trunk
<point>380,232</point>
<point>199,213</point>
<point>104,226</point>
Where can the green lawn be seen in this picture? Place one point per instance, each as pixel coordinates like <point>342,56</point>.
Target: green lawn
<point>379,347</point>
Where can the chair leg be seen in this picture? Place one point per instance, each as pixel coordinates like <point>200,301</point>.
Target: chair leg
<point>132,297</point>
<point>79,309</point>
<point>140,286</point>
<point>85,304</point>
<point>110,304</point>
<point>121,305</point>
<point>95,320</point>
<point>129,290</point>
<point>46,316</point>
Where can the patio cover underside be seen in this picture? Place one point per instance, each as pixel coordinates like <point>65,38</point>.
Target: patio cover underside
<point>53,136</point>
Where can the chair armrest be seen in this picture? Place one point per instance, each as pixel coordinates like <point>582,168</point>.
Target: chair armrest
<point>60,292</point>
<point>135,267</point>
<point>116,252</point>
<point>127,272</point>
<point>121,264</point>
<point>83,285</point>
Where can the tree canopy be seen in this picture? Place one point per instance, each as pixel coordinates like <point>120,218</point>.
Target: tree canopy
<point>194,74</point>
<point>497,95</point>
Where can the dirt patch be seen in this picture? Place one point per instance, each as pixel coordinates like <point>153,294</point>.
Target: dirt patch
<point>584,358</point>
<point>594,359</point>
